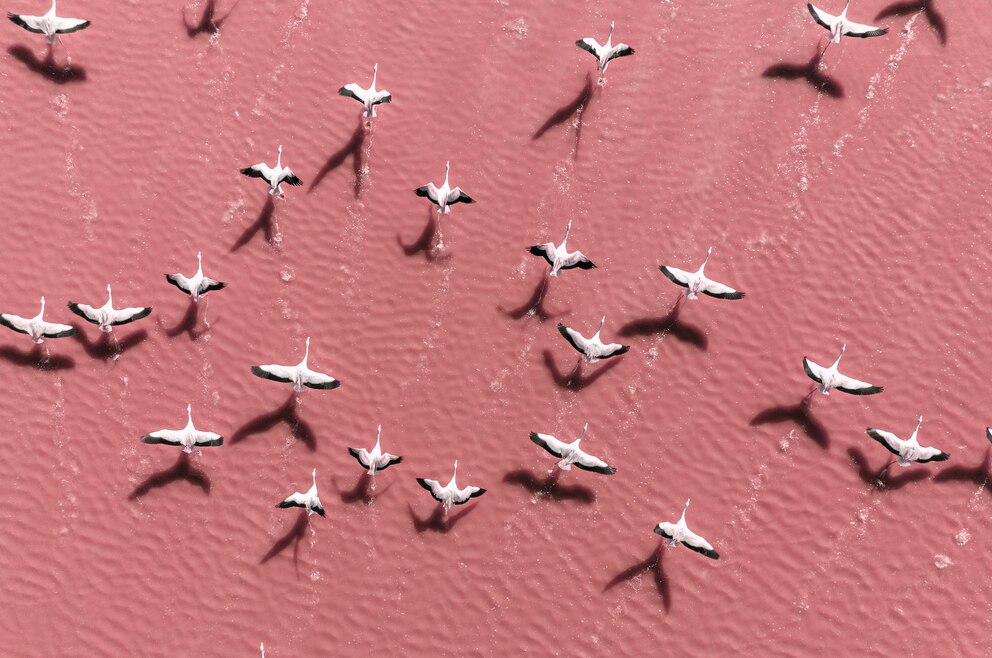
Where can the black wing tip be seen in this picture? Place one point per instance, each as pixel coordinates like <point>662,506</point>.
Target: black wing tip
<point>319,510</point>
<point>659,531</point>
<point>148,438</point>
<point>423,482</point>
<point>10,325</point>
<point>871,390</point>
<point>476,494</point>
<point>422,191</point>
<point>671,277</point>
<point>71,331</point>
<point>324,387</point>
<point>286,504</point>
<point>563,330</point>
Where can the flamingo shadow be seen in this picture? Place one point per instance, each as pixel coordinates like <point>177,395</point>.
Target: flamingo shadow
<point>652,563</point>
<point>425,243</point>
<point>669,324</point>
<point>362,492</point>
<point>933,17</point>
<point>535,305</point>
<point>104,349</point>
<point>183,469</point>
<point>437,521</point>
<point>36,358</point>
<point>188,323</point>
<point>577,107</point>
<point>549,487</point>
<point>808,71</point>
<point>574,380</point>
<point>286,413</point>
<point>293,537</point>
<point>47,68</point>
<point>208,21</point>
<point>801,414</point>
<point>262,223</point>
<point>879,478</point>
<point>975,474</point>
<point>352,149</point>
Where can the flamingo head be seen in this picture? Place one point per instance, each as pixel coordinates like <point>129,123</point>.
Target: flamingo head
<point>42,312</point>
<point>378,434</point>
<point>189,412</point>
<point>585,428</point>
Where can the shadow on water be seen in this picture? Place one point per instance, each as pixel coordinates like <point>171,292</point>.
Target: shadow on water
<point>576,107</point>
<point>800,414</point>
<point>292,538</point>
<point>974,474</point>
<point>438,521</point>
<point>183,469</point>
<point>933,17</point>
<point>653,564</point>
<point>47,68</point>
<point>574,380</point>
<point>535,305</point>
<point>286,413</point>
<point>262,223</point>
<point>425,243</point>
<point>36,358</point>
<point>108,346</point>
<point>209,23</point>
<point>353,149</point>
<point>881,478</point>
<point>549,486</point>
<point>364,491</point>
<point>810,72</point>
<point>669,324</point>
<point>188,323</point>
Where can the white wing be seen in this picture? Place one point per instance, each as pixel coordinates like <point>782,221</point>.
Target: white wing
<point>313,379</point>
<point>316,506</point>
<point>287,176</point>
<point>665,529</point>
<point>428,191</point>
<point>611,349</point>
<point>29,23</point>
<point>285,374</point>
<point>168,437</point>
<point>577,340</point>
<point>620,50</point>
<point>362,455</point>
<point>207,439</point>
<point>386,460</point>
<point>546,250</point>
<point>437,491</point>
<point>549,443</point>
<point>854,386</point>
<point>930,454</point>
<point>354,91</point>
<point>457,196</point>
<point>85,311</point>
<point>698,544</point>
<point>591,45</point>
<point>892,442</point>
<point>464,495</point>
<point>56,330</point>
<point>261,170</point>
<point>813,371</point>
<point>589,462</point>
<point>822,17</point>
<point>124,315</point>
<point>680,277</point>
<point>66,25</point>
<point>382,97</point>
<point>719,290</point>
<point>863,31</point>
<point>15,322</point>
<point>296,500</point>
<point>206,285</point>
<point>576,259</point>
<point>179,281</point>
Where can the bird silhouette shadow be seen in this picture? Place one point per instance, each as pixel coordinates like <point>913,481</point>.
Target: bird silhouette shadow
<point>975,474</point>
<point>287,413</point>
<point>292,538</point>
<point>653,563</point>
<point>935,18</point>
<point>438,521</point>
<point>354,150</point>
<point>262,223</point>
<point>549,486</point>
<point>880,478</point>
<point>188,323</point>
<point>104,348</point>
<point>36,358</point>
<point>47,68</point>
<point>810,72</point>
<point>425,243</point>
<point>535,305</point>
<point>364,491</point>
<point>183,469</point>
<point>575,380</point>
<point>209,23</point>
<point>668,324</point>
<point>576,107</point>
<point>801,414</point>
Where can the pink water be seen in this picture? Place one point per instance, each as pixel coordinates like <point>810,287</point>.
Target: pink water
<point>854,212</point>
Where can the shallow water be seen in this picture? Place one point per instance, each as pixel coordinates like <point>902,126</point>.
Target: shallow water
<point>855,213</point>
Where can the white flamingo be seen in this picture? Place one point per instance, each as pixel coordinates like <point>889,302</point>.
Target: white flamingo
<point>829,378</point>
<point>910,450</point>
<point>696,282</point>
<point>197,285</point>
<point>592,349</point>
<point>679,532</point>
<point>274,176</point>
<point>367,97</point>
<point>450,494</point>
<point>50,25</point>
<point>36,327</point>
<point>559,257</point>
<point>299,375</point>
<point>375,459</point>
<point>840,25</point>
<point>309,500</point>
<point>445,196</point>
<point>571,454</point>
<point>107,316</point>
<point>606,52</point>
<point>188,437</point>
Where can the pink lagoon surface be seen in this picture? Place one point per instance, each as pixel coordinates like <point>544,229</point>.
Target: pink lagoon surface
<point>850,203</point>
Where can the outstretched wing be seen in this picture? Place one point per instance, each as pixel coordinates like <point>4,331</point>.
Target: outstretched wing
<point>29,23</point>
<point>588,462</point>
<point>549,443</point>
<point>576,259</point>
<point>130,314</point>
<point>621,50</point>
<point>813,370</point>
<point>55,330</point>
<point>179,281</point>
<point>362,455</point>
<point>206,285</point>
<point>863,31</point>
<point>289,177</point>
<point>591,45</point>
<point>719,290</point>
<point>929,454</point>
<point>574,338</point>
<point>312,379</point>
<point>693,541</point>
<point>822,17</point>
<point>85,311</point>
<point>432,486</point>
<point>462,496</point>
<point>15,322</point>
<point>168,437</point>
<point>665,529</point>
<point>67,25</point>
<point>546,250</point>
<point>386,460</point>
<point>207,439</point>
<point>354,91</point>
<point>680,277</point>
<point>428,191</point>
<point>855,387</point>
<point>457,196</point>
<point>261,170</point>
<point>613,349</point>
<point>284,374</point>
<point>296,500</point>
<point>891,442</point>
<point>382,97</point>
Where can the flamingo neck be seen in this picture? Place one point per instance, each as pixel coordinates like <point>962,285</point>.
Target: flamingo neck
<point>839,356</point>
<point>584,429</point>
<point>378,435</point>
<point>306,352</point>
<point>52,10</point>
<point>42,311</point>
<point>567,231</point>
<point>375,71</point>
<point>846,5</point>
<point>189,415</point>
<point>110,297</point>
<point>279,158</point>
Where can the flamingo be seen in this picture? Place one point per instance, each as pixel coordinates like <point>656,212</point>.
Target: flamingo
<point>445,196</point>
<point>450,494</point>
<point>374,459</point>
<point>604,53</point>
<point>50,25</point>
<point>829,378</point>
<point>188,437</point>
<point>592,349</point>
<point>571,453</point>
<point>107,316</point>
<point>197,285</point>
<point>309,500</point>
<point>839,25</point>
<point>274,176</point>
<point>696,282</point>
<point>299,375</point>
<point>910,450</point>
<point>559,257</point>
<point>36,327</point>
<point>679,532</point>
<point>367,97</point>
